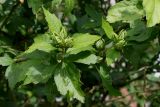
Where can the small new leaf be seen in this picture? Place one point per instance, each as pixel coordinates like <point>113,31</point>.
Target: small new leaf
<point>108,29</point>
<point>111,56</point>
<point>69,5</point>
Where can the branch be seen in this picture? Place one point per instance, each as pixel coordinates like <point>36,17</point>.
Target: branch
<point>140,76</point>
<point>132,93</point>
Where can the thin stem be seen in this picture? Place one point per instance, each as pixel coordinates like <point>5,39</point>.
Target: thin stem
<point>144,85</point>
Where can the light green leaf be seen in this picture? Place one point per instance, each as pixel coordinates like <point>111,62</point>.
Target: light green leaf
<point>111,56</point>
<point>5,60</point>
<point>108,29</point>
<point>152,9</point>
<point>69,4</point>
<point>56,3</point>
<point>77,50</point>
<point>54,23</point>
<point>36,68</point>
<point>41,42</point>
<point>82,42</point>
<point>126,10</point>
<point>154,77</point>
<point>107,81</point>
<point>67,79</point>
<point>91,59</point>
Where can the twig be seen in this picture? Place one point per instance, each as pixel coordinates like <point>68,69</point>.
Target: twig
<point>144,85</point>
<point>121,97</point>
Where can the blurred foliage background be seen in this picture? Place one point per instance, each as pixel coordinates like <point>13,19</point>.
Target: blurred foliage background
<point>133,70</point>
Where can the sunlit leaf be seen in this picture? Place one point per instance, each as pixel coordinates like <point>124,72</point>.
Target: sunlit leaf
<point>54,23</point>
<point>111,56</point>
<point>126,10</point>
<point>91,59</point>
<point>152,9</point>
<point>41,42</point>
<point>82,42</point>
<point>108,29</point>
<point>5,60</point>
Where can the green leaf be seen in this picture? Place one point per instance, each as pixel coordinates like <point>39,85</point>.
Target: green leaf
<point>50,89</point>
<point>153,77</point>
<point>67,79</point>
<point>108,29</point>
<point>56,3</point>
<point>41,42</point>
<point>54,23</point>
<point>35,5</point>
<point>136,52</point>
<point>126,10</point>
<point>107,81</point>
<point>94,15</point>
<point>82,42</point>
<point>91,59</point>
<point>111,56</point>
<point>34,69</point>
<point>144,35</point>
<point>38,74</point>
<point>5,60</point>
<point>152,8</point>
<point>139,32</point>
<point>69,4</point>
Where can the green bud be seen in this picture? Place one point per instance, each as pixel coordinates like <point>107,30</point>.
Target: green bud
<point>100,44</point>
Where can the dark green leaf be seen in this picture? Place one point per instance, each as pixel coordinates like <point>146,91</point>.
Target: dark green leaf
<point>34,69</point>
<point>107,81</point>
<point>35,4</point>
